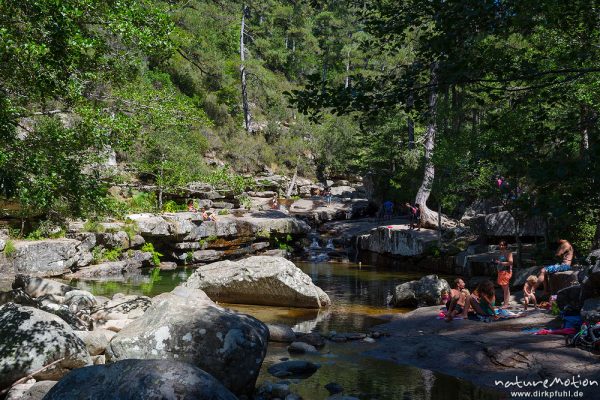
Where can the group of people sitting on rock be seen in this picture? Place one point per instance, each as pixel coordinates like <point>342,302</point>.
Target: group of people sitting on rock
<point>206,216</point>
<point>482,301</point>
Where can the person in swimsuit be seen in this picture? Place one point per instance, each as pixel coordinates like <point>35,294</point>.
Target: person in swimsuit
<point>566,254</point>
<point>504,264</point>
<point>457,304</point>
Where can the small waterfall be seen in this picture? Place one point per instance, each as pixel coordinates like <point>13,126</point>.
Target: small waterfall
<point>330,245</point>
<point>315,244</point>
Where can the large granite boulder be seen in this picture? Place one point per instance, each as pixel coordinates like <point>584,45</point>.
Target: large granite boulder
<point>140,379</point>
<point>31,339</point>
<point>186,325</point>
<point>561,280</point>
<point>259,280</point>
<point>38,287</point>
<point>425,291</point>
<point>49,257</point>
<point>569,296</point>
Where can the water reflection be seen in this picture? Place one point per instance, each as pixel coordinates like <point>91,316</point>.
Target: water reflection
<point>360,295</point>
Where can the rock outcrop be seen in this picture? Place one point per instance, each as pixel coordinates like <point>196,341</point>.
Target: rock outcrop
<point>186,325</point>
<point>50,257</point>
<point>397,240</point>
<point>140,379</point>
<point>425,291</point>
<point>258,280</point>
<point>31,339</point>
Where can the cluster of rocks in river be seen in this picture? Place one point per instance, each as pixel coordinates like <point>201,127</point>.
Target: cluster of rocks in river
<point>181,342</point>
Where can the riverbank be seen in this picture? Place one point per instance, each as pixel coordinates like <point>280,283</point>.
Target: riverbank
<point>484,353</point>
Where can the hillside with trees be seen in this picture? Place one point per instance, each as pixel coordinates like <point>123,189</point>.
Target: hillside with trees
<point>433,101</point>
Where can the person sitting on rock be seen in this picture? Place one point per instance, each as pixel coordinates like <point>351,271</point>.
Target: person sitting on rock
<point>481,301</point>
<point>565,252</point>
<point>529,291</point>
<point>206,216</point>
<point>191,207</point>
<point>458,299</point>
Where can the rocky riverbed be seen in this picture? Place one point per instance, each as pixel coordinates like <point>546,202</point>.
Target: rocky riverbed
<point>484,353</point>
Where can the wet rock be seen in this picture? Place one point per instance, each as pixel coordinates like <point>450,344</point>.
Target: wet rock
<point>258,280</point>
<point>185,324</point>
<point>339,338</point>
<point>138,259</point>
<point>281,333</point>
<point>30,391</point>
<point>167,266</point>
<point>355,336</point>
<point>31,339</point>
<point>296,369</point>
<point>312,338</point>
<point>334,388</point>
<point>301,348</point>
<point>425,291</point>
<point>140,379</point>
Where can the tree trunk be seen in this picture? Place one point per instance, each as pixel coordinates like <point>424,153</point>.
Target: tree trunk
<point>292,183</point>
<point>245,106</point>
<point>429,217</point>
<point>347,80</point>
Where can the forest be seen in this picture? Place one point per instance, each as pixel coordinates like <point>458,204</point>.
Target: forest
<point>434,101</point>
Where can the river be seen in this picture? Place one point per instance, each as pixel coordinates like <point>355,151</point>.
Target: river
<point>359,295</point>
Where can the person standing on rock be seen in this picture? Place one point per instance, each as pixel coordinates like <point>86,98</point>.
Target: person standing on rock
<point>504,263</point>
<point>413,211</point>
<point>565,252</point>
<point>388,209</point>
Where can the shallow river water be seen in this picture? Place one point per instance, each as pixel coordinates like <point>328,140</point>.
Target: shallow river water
<point>359,294</point>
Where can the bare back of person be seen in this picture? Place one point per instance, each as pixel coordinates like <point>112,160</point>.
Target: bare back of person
<point>565,250</point>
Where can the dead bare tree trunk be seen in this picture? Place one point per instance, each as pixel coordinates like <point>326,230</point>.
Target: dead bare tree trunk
<point>245,106</point>
<point>428,217</point>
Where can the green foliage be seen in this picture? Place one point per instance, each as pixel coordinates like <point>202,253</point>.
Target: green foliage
<point>51,164</point>
<point>225,178</point>
<point>131,228</point>
<point>142,202</point>
<point>172,206</point>
<point>149,247</point>
<point>93,226</point>
<point>9,248</point>
<point>223,212</point>
<point>100,254</point>
<point>211,238</point>
<point>189,257</point>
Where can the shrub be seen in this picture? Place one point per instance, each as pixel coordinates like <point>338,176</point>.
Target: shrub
<point>93,226</point>
<point>223,212</point>
<point>9,248</point>
<point>149,247</point>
